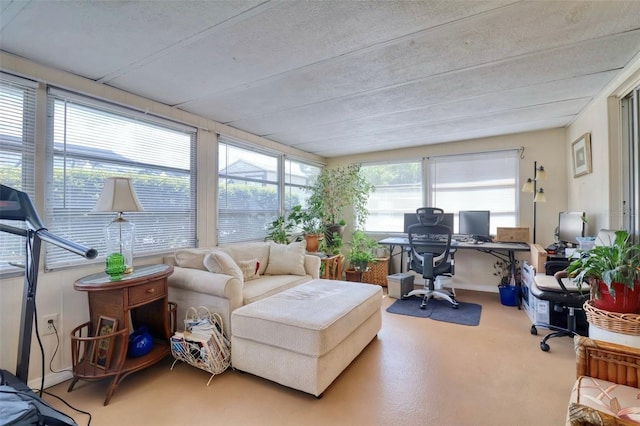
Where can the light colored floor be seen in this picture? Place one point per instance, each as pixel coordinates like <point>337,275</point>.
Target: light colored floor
<point>416,372</point>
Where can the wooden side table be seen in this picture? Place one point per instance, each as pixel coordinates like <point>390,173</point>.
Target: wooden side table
<point>140,296</point>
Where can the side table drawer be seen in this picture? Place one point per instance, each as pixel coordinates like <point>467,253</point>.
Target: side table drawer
<point>146,292</point>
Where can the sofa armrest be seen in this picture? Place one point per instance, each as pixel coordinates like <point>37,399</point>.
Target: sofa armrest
<point>219,285</point>
<point>312,266</point>
<point>607,361</point>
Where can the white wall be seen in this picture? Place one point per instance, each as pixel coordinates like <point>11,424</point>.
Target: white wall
<point>600,192</point>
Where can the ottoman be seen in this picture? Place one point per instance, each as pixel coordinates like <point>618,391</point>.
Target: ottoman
<point>304,337</point>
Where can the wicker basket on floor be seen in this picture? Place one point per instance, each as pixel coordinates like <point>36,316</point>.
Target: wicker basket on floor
<point>378,272</point>
<point>612,321</point>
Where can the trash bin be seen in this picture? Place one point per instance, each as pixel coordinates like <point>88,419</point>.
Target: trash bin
<point>399,284</point>
<point>508,295</point>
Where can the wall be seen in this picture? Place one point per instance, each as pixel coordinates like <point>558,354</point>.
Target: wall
<point>599,193</point>
<point>474,270</point>
<point>55,293</point>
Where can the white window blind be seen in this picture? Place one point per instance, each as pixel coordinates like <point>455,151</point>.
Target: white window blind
<point>398,191</point>
<point>248,191</point>
<point>480,181</point>
<point>89,140</point>
<point>17,156</point>
<point>298,176</point>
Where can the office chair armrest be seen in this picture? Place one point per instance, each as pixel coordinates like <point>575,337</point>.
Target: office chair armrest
<point>559,276</point>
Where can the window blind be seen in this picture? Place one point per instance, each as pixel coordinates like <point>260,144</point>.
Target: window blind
<point>478,181</point>
<point>17,156</point>
<point>89,140</point>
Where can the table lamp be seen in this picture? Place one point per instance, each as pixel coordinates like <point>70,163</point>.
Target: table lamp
<point>119,196</point>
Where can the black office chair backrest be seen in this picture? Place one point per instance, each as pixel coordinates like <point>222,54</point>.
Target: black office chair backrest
<point>431,237</point>
<point>429,215</point>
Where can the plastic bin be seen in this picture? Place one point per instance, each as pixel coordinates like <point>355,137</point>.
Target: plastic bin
<point>508,295</point>
<point>399,284</point>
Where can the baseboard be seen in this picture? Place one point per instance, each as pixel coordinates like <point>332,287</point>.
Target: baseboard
<point>50,379</point>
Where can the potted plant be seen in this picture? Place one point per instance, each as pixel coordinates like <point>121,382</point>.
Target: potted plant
<point>336,189</point>
<point>280,230</point>
<point>360,255</point>
<point>613,272</point>
<point>310,224</point>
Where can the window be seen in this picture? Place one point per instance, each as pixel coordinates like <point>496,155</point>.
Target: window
<point>298,177</point>
<point>17,156</point>
<point>89,140</point>
<point>248,191</point>
<point>482,181</point>
<point>398,191</point>
<point>631,169</point>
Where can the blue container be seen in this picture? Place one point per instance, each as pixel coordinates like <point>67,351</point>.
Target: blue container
<point>508,295</point>
<point>140,343</point>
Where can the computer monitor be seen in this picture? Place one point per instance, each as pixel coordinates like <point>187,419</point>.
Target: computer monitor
<point>474,222</point>
<point>570,227</point>
<point>412,218</point>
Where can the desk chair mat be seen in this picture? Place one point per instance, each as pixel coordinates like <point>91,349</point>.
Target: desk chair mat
<point>439,310</point>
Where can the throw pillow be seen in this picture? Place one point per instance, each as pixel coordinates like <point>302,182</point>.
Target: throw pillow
<point>249,269</point>
<point>286,259</point>
<point>220,262</point>
<point>190,258</point>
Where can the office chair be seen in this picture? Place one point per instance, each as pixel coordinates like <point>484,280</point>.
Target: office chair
<point>431,255</point>
<point>564,296</point>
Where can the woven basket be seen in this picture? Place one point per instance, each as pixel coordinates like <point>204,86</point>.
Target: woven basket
<point>612,321</point>
<point>378,272</point>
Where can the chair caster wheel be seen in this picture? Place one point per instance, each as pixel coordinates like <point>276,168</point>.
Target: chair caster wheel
<point>423,307</point>
<point>533,330</point>
<point>454,306</point>
<point>544,347</point>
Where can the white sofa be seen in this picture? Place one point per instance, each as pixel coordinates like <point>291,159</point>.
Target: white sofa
<point>265,268</point>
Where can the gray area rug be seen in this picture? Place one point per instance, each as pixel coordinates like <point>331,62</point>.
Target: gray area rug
<point>439,310</point>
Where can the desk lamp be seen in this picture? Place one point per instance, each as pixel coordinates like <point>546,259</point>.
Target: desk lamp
<point>531,186</point>
<point>119,196</point>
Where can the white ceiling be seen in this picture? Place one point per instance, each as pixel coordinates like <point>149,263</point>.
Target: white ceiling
<point>339,77</point>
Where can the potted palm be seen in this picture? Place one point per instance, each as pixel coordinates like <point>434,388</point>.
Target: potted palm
<point>613,272</point>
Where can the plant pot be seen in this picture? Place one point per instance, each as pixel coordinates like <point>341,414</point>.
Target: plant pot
<point>313,241</point>
<point>626,301</point>
<point>330,229</point>
<point>353,275</point>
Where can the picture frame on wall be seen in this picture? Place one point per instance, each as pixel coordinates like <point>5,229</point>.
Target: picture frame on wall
<point>581,153</point>
<point>104,348</point>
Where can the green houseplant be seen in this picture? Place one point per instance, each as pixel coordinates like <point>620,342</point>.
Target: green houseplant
<point>613,272</point>
<point>311,226</point>
<point>336,189</point>
<point>361,252</point>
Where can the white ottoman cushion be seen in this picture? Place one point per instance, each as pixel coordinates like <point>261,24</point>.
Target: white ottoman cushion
<point>320,326</point>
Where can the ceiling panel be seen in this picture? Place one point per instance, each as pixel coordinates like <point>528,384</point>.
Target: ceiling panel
<point>338,77</point>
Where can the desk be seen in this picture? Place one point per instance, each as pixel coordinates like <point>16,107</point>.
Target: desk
<point>502,250</point>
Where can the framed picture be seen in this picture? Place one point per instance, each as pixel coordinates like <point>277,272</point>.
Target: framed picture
<point>581,151</point>
<point>104,348</point>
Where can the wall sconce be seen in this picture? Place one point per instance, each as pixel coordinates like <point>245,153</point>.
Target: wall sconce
<point>531,186</point>
<point>119,196</point>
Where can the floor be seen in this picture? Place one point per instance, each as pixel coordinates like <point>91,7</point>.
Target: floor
<point>416,372</point>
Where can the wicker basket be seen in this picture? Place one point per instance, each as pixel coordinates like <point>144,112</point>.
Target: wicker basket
<point>612,321</point>
<point>378,272</point>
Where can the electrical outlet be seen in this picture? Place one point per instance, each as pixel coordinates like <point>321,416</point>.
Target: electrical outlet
<point>49,321</point>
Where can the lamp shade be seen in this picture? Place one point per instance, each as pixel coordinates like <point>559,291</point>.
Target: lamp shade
<point>540,197</point>
<point>528,186</point>
<point>118,195</point>
<point>540,173</point>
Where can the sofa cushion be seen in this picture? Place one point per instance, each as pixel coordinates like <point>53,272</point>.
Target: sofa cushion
<point>220,262</point>
<point>591,396</point>
<point>249,269</point>
<point>268,285</point>
<point>248,251</point>
<point>191,258</point>
<point>286,259</point>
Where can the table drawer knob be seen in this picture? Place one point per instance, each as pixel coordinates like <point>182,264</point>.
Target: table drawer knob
<point>151,290</point>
